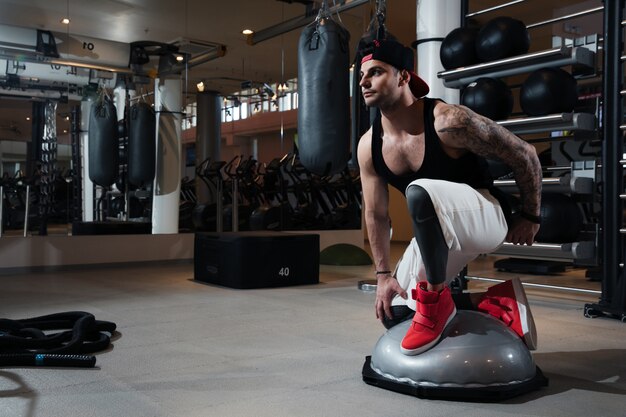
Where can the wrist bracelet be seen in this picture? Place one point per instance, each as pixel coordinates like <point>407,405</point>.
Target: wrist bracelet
<point>383,272</point>
<point>530,217</point>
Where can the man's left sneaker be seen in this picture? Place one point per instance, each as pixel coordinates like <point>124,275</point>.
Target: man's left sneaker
<point>507,301</point>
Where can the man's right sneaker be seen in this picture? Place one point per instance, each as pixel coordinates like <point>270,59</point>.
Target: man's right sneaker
<point>507,301</point>
<point>434,310</point>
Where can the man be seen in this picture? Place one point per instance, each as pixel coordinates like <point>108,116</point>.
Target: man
<point>435,153</point>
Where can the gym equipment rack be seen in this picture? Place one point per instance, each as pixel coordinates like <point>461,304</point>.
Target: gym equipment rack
<point>601,180</point>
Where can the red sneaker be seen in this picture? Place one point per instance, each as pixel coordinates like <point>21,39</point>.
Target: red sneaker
<point>434,311</point>
<point>507,301</point>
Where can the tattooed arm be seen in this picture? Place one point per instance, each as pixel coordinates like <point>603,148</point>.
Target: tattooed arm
<point>460,128</point>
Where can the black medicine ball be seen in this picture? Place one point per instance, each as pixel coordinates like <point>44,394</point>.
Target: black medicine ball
<point>561,219</point>
<point>458,48</point>
<point>502,37</point>
<point>489,97</point>
<point>547,91</point>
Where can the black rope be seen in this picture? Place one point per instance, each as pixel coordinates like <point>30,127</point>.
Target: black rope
<point>31,342</point>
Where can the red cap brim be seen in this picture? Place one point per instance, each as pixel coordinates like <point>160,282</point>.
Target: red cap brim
<point>419,88</point>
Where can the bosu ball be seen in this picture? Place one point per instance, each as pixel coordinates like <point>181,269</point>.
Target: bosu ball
<point>477,359</point>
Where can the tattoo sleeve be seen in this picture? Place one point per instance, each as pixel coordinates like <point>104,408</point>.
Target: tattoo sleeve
<point>466,129</point>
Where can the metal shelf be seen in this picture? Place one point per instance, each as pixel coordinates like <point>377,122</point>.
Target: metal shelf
<point>565,184</point>
<point>551,122</point>
<point>553,251</point>
<point>519,64</point>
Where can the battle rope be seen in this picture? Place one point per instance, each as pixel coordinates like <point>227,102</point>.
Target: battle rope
<point>26,343</point>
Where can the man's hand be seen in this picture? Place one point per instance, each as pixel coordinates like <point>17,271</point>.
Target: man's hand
<point>387,287</point>
<point>522,231</point>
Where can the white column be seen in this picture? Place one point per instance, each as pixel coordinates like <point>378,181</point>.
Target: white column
<point>119,99</point>
<point>168,106</point>
<point>435,19</point>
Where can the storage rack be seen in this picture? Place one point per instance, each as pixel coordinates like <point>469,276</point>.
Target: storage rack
<point>580,56</point>
<point>606,245</point>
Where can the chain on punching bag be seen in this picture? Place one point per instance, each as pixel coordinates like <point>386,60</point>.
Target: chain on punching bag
<point>103,141</point>
<point>141,144</point>
<point>324,97</point>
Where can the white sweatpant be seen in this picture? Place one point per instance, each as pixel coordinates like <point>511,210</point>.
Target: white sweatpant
<point>472,222</point>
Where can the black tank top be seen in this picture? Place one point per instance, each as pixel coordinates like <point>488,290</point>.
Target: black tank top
<point>470,168</point>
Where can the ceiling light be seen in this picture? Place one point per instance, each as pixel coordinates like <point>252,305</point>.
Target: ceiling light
<point>65,20</point>
<point>200,86</point>
<point>27,118</point>
<point>247,32</point>
<point>180,58</point>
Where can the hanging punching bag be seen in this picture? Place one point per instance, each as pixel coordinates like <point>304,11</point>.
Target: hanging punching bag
<point>324,97</point>
<point>362,116</point>
<point>103,142</point>
<point>141,144</point>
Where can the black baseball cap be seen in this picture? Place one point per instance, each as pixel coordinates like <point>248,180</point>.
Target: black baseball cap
<point>401,57</point>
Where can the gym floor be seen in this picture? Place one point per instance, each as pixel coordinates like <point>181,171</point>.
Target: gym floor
<point>189,349</point>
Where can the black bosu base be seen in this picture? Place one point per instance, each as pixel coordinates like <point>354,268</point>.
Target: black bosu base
<point>474,394</point>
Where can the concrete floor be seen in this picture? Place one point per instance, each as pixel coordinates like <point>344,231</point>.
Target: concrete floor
<point>189,349</point>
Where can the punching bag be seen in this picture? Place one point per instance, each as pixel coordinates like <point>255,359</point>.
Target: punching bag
<point>141,144</point>
<point>362,116</point>
<point>324,97</point>
<point>103,142</point>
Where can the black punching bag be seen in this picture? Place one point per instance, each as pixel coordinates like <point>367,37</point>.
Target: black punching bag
<point>324,97</point>
<point>362,116</point>
<point>103,142</point>
<point>141,144</point>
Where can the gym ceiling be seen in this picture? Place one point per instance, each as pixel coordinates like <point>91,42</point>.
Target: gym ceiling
<point>221,22</point>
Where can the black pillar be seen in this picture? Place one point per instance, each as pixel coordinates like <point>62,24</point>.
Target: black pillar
<point>613,298</point>
<point>208,135</point>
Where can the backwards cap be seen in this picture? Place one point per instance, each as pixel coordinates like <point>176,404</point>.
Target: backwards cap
<point>401,57</point>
